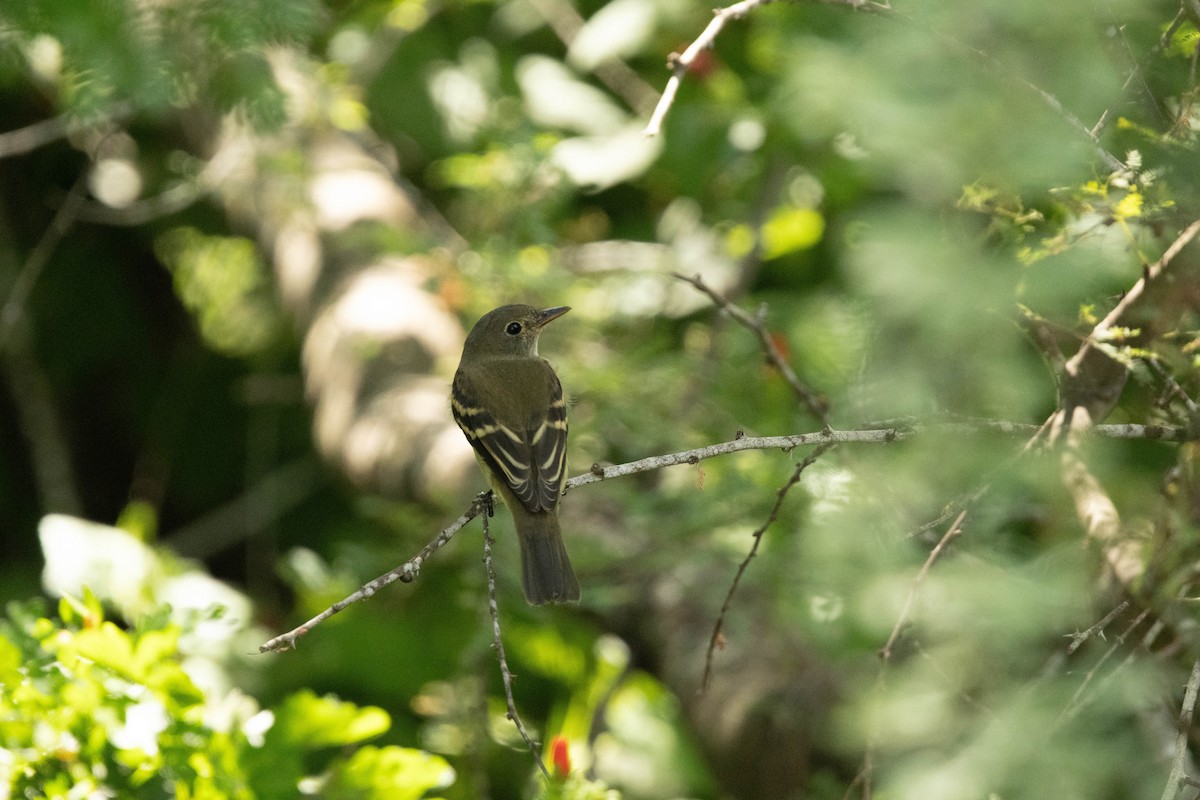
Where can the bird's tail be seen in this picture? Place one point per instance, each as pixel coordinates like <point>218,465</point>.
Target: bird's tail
<point>545,568</point>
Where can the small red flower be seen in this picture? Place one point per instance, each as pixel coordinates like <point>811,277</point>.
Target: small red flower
<point>560,756</point>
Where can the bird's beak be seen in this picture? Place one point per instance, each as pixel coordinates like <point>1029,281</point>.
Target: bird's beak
<point>549,314</point>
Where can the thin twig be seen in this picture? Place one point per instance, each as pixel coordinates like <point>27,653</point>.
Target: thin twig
<point>1059,658</point>
<point>1098,513</point>
<point>24,140</point>
<point>1092,379</point>
<point>1079,637</point>
<point>223,164</point>
<point>147,209</point>
<point>965,501</point>
<point>1186,714</point>
<point>680,63</point>
<point>862,778</point>
<point>497,642</point>
<point>1151,273</point>
<point>954,530</point>
<point>875,436</point>
<point>1076,703</point>
<point>813,401</point>
<point>18,296</point>
<point>718,627</point>
<point>405,573</point>
<point>1054,104</point>
<point>31,137</point>
<point>30,387</point>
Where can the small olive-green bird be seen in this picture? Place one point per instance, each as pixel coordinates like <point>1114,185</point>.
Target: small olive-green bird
<point>509,403</point>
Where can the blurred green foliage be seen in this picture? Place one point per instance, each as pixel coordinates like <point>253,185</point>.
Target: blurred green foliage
<point>90,709</point>
<point>924,204</point>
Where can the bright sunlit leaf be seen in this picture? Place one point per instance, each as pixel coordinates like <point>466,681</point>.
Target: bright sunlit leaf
<point>790,229</point>
<point>327,721</point>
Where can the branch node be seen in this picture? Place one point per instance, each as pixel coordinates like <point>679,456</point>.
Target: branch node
<point>485,502</point>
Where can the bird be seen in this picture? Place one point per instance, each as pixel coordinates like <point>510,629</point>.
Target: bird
<point>509,403</point>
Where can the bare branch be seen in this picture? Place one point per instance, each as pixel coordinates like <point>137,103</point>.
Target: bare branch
<point>1059,658</point>
<point>1110,161</point>
<point>780,495</point>
<point>170,201</point>
<point>813,401</point>
<point>1077,702</point>
<point>18,296</point>
<point>31,137</point>
<point>405,573</point>
<point>954,530</point>
<point>1134,295</point>
<point>680,63</point>
<point>1099,515</point>
<point>25,140</point>
<point>877,436</point>
<point>1093,379</point>
<point>1186,714</point>
<point>29,384</point>
<point>1080,637</point>
<point>409,570</point>
<point>1092,383</point>
<point>497,642</point>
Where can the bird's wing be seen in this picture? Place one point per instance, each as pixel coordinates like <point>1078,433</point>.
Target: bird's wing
<point>530,454</point>
<point>548,444</point>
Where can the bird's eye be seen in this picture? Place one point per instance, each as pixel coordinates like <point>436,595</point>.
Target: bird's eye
<point>513,328</point>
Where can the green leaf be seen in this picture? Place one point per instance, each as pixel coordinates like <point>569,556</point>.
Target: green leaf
<point>10,662</point>
<point>790,229</point>
<point>305,718</point>
<point>109,646</point>
<point>389,773</point>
